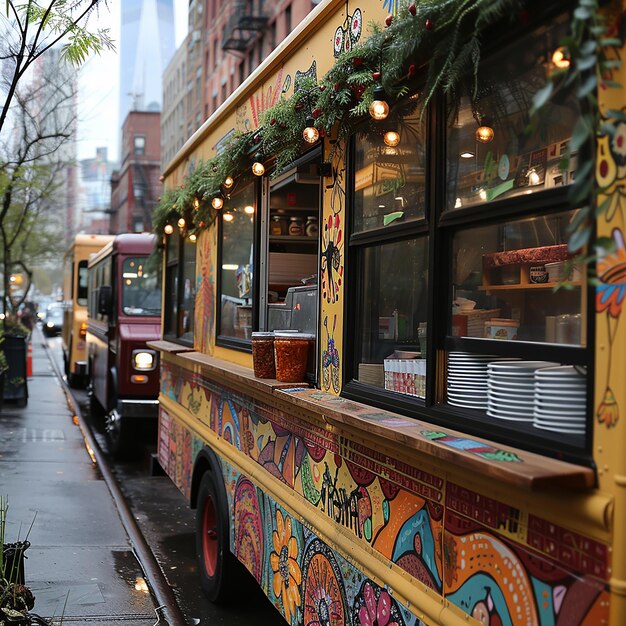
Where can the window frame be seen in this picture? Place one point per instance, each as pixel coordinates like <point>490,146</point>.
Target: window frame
<point>171,309</point>
<point>226,341</point>
<point>440,226</point>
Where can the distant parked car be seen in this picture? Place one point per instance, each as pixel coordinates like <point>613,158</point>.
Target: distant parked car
<point>52,323</point>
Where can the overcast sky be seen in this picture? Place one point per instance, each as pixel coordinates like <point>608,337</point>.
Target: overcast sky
<point>99,84</point>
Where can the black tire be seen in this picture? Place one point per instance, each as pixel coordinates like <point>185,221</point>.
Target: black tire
<point>215,561</point>
<point>120,434</point>
<point>74,381</point>
<point>95,408</point>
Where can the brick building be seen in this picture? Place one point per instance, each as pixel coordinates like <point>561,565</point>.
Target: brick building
<point>227,40</point>
<point>135,187</point>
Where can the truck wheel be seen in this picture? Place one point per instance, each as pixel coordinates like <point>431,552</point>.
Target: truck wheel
<point>119,433</point>
<point>216,562</point>
<point>95,408</point>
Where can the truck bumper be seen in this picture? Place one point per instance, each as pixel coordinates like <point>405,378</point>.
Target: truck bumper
<point>138,409</point>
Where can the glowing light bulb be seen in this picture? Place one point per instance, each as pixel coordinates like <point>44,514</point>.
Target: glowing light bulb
<point>228,217</point>
<point>484,134</point>
<point>192,238</point>
<point>379,109</point>
<point>169,229</point>
<point>311,134</point>
<point>217,202</point>
<point>249,209</point>
<point>392,138</point>
<point>228,183</point>
<point>181,222</point>
<point>560,58</point>
<point>196,203</point>
<point>258,169</point>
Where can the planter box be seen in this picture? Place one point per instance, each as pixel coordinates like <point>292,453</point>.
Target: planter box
<point>15,381</point>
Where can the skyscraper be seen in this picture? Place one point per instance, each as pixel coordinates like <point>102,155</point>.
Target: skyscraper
<point>146,46</point>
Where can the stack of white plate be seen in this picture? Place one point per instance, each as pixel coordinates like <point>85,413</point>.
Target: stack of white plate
<point>511,389</point>
<point>560,400</point>
<point>467,379</point>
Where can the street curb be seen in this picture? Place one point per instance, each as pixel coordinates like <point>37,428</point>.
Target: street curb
<point>162,591</point>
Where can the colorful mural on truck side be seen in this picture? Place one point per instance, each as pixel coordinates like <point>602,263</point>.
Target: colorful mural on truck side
<point>493,561</point>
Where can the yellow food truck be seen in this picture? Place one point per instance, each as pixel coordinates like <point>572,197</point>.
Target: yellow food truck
<point>74,332</point>
<point>432,195</point>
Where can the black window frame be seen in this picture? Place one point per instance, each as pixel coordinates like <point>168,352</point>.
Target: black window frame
<point>226,341</point>
<point>171,309</point>
<point>440,228</point>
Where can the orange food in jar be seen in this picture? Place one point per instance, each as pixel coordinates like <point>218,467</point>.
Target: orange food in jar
<point>291,352</point>
<point>263,355</point>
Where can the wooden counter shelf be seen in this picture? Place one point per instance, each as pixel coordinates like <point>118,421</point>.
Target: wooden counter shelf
<point>517,467</point>
<point>169,346</point>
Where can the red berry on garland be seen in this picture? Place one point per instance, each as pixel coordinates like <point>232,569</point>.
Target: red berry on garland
<point>412,9</point>
<point>182,186</point>
<point>322,132</point>
<point>429,24</point>
<point>376,75</point>
<point>337,87</point>
<point>315,113</point>
<point>273,121</point>
<point>357,62</point>
<point>257,139</point>
<point>202,224</point>
<point>388,20</point>
<point>411,69</point>
<point>322,87</point>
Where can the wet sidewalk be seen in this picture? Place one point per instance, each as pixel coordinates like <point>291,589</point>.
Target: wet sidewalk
<point>80,564</point>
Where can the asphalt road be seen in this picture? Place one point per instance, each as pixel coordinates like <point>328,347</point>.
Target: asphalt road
<point>168,525</point>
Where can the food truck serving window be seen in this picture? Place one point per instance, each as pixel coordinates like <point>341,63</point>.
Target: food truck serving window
<point>456,258</point>
<point>237,228</point>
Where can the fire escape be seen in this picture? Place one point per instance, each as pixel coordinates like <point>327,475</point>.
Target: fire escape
<point>244,25</point>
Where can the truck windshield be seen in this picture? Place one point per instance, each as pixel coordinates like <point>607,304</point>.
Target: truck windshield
<point>141,287</point>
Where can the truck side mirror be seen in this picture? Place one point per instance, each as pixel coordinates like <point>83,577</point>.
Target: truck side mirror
<point>105,300</point>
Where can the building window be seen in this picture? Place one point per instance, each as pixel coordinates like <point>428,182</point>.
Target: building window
<point>287,20</point>
<point>237,227</point>
<point>139,145</point>
<point>180,291</point>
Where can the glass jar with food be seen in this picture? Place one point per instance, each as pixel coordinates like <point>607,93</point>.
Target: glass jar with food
<point>291,353</point>
<point>263,355</point>
<point>278,225</point>
<point>296,226</point>
<point>311,228</point>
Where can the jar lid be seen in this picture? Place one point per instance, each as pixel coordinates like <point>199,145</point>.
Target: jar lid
<point>312,217</point>
<point>292,335</point>
<point>262,334</point>
<point>295,218</point>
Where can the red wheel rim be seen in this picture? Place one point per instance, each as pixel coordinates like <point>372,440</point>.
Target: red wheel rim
<point>209,536</point>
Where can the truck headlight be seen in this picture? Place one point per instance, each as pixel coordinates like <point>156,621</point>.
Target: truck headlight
<point>144,360</point>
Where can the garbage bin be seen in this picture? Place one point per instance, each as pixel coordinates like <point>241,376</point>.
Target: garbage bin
<point>15,381</point>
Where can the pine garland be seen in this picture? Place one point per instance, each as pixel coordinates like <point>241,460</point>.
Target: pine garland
<point>440,38</point>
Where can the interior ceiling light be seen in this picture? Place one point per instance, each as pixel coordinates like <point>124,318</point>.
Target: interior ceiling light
<point>249,209</point>
<point>484,133</point>
<point>467,155</point>
<point>392,138</point>
<point>561,58</point>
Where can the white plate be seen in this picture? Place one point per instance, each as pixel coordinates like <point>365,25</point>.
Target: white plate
<point>519,398</point>
<point>550,406</point>
<point>464,405</point>
<point>508,417</point>
<point>467,392</point>
<point>568,389</point>
<point>560,423</point>
<point>513,383</point>
<point>469,398</point>
<point>513,411</point>
<point>567,431</point>
<point>520,366</point>
<point>466,381</point>
<point>564,401</point>
<point>562,370</point>
<point>558,416</point>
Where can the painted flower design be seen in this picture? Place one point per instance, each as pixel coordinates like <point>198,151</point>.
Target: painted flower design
<point>618,144</point>
<point>375,611</point>
<point>608,411</point>
<point>611,290</point>
<point>287,575</point>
